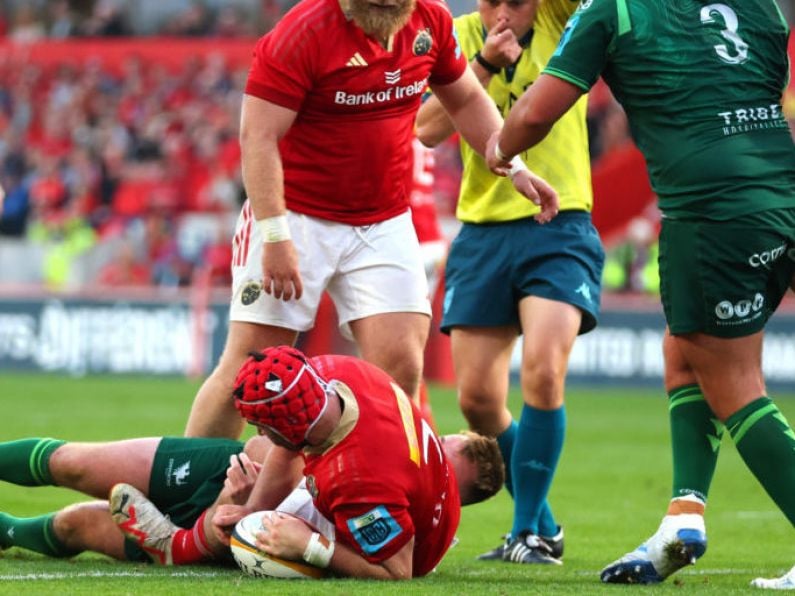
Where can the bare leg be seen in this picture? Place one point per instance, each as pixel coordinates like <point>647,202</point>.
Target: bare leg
<point>93,468</point>
<point>482,358</point>
<point>88,526</point>
<point>213,413</point>
<point>395,342</point>
<point>729,371</point>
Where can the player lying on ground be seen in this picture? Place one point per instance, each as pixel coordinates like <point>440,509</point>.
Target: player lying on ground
<point>394,511</point>
<point>182,476</point>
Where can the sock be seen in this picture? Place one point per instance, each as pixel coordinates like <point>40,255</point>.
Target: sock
<point>547,527</point>
<point>766,443</point>
<point>190,545</point>
<point>536,450</point>
<point>505,442</point>
<point>26,462</point>
<point>32,533</point>
<point>695,441</point>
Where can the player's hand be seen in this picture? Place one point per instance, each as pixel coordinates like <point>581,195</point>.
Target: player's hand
<point>225,518</point>
<point>280,274</point>
<point>240,478</point>
<point>501,48</point>
<point>540,192</point>
<point>285,536</point>
<point>496,165</point>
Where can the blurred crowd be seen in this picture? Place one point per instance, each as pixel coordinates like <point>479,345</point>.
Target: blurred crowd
<point>33,20</point>
<point>144,160</point>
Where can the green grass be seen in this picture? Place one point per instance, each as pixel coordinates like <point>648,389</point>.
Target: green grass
<point>610,491</point>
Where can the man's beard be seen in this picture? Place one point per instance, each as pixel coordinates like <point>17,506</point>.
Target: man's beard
<point>381,23</point>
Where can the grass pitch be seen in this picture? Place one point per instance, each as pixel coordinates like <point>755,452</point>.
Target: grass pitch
<point>611,489</point>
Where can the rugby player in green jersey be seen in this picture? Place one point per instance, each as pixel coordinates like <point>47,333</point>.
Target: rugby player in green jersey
<point>508,275</point>
<point>701,83</point>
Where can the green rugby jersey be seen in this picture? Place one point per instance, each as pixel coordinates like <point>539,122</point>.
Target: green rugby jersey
<point>701,83</point>
<point>562,158</point>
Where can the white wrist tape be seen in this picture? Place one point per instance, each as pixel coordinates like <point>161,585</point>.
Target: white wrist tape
<point>498,152</point>
<point>274,229</point>
<point>319,551</point>
<point>516,165</point>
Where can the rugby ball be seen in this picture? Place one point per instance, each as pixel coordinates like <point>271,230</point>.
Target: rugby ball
<point>256,563</point>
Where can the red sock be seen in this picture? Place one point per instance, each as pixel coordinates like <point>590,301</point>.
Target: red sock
<point>190,546</point>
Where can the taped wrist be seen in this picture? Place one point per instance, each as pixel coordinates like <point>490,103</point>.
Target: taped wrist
<point>274,229</point>
<point>319,551</point>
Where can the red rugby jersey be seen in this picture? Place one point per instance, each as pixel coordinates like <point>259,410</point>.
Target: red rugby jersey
<point>347,157</point>
<point>387,478</point>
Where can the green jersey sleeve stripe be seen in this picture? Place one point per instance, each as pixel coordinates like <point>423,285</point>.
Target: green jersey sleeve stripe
<point>576,81</point>
<point>780,15</point>
<point>624,23</point>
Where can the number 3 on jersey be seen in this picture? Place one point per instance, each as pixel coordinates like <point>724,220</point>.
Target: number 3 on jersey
<point>731,23</point>
<point>407,417</point>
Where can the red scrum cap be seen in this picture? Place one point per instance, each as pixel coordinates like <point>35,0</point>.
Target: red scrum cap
<point>279,389</point>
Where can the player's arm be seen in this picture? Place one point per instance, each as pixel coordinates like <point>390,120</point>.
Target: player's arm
<point>500,49</point>
<point>279,475</point>
<point>531,118</point>
<point>262,124</point>
<point>470,109</point>
<point>291,538</point>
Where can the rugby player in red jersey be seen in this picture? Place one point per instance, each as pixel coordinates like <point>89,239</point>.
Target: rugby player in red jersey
<point>382,490</point>
<point>326,129</point>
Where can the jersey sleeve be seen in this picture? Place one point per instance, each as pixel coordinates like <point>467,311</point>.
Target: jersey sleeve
<point>376,531</point>
<point>280,72</point>
<point>584,47</point>
<point>451,62</point>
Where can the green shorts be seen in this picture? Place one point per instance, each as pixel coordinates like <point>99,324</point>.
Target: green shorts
<point>491,267</point>
<point>187,476</point>
<point>726,278</point>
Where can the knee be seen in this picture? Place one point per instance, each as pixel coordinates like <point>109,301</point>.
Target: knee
<point>67,524</point>
<point>543,385</point>
<point>405,366</point>
<point>483,412</point>
<point>67,466</point>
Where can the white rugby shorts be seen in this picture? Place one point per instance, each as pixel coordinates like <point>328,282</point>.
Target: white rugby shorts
<point>367,270</point>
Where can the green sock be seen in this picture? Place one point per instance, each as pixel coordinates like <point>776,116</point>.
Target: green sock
<point>695,440</point>
<point>766,443</point>
<point>26,462</point>
<point>33,533</point>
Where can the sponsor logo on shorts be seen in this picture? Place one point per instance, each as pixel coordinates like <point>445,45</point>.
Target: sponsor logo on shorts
<point>584,290</point>
<point>177,476</point>
<point>585,4</point>
<point>737,313</point>
<point>250,293</point>
<point>766,257</point>
<point>422,43</point>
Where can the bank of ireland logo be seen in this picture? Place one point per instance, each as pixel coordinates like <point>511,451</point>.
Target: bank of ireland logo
<point>422,43</point>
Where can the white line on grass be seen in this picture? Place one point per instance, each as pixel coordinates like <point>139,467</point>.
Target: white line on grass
<point>52,576</point>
